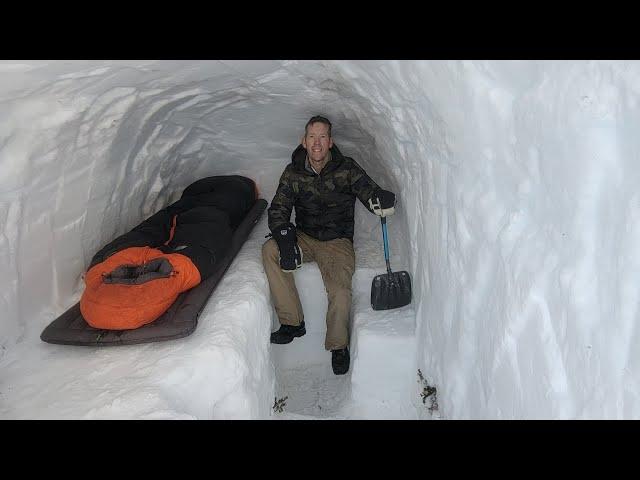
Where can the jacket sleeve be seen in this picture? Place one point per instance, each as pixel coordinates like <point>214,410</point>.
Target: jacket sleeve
<point>362,185</point>
<point>279,211</point>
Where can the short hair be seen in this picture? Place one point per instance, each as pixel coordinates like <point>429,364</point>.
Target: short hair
<point>318,119</point>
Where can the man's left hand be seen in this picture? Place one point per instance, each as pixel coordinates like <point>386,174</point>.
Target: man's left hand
<point>383,203</point>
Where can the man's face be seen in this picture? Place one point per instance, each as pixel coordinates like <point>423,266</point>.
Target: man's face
<point>317,142</point>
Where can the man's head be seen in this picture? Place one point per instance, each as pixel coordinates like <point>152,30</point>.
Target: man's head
<point>317,140</point>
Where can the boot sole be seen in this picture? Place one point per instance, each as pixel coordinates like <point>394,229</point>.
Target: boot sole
<point>340,372</point>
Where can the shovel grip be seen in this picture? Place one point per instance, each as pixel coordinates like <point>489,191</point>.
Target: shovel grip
<point>383,221</point>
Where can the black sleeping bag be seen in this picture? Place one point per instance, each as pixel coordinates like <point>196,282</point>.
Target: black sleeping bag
<point>208,224</point>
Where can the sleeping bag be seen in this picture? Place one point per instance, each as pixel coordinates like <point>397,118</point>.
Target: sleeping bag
<point>137,277</point>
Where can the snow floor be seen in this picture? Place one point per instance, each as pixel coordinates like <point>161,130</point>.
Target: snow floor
<point>227,369</point>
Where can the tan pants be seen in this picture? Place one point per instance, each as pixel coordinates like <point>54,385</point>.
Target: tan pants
<point>336,261</point>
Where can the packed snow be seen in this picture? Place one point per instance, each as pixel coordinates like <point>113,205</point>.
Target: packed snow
<point>518,219</point>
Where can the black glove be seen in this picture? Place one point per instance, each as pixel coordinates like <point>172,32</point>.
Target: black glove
<point>290,253</point>
<point>383,202</point>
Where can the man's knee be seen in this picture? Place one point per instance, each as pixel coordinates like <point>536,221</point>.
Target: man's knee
<point>339,292</point>
<point>338,276</point>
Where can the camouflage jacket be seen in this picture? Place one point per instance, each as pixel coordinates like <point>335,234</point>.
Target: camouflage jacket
<point>324,203</point>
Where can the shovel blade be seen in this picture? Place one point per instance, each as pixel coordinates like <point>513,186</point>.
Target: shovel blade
<point>390,290</point>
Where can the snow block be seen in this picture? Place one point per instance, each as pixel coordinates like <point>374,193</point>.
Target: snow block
<point>383,356</point>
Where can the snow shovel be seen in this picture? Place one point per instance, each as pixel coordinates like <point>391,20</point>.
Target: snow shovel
<point>391,289</point>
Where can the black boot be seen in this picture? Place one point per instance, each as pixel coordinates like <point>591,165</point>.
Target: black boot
<point>286,333</point>
<point>340,361</point>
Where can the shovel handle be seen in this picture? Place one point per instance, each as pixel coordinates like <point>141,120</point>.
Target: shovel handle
<point>383,221</point>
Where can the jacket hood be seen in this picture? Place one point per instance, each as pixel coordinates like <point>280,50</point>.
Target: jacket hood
<point>299,156</point>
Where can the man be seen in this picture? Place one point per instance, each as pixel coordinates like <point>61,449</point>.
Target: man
<point>322,185</point>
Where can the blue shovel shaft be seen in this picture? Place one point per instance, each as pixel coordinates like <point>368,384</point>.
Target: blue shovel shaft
<point>383,221</point>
